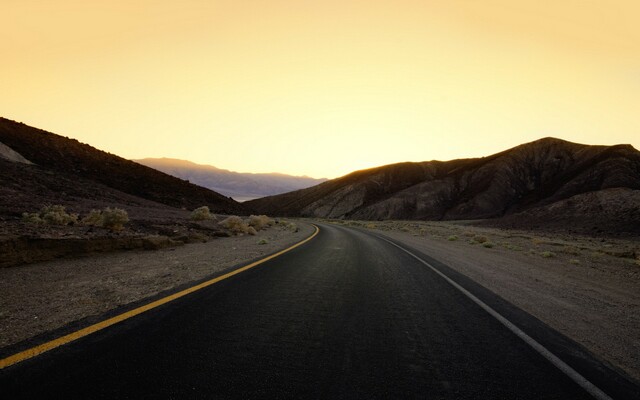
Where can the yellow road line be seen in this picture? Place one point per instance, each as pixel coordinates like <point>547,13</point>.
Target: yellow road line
<point>34,351</point>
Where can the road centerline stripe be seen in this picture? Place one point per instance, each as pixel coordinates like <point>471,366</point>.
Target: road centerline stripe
<point>44,347</point>
<point>574,375</point>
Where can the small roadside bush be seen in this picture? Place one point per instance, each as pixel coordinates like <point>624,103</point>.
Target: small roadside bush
<point>480,239</point>
<point>548,254</point>
<point>263,241</point>
<point>289,225</point>
<point>110,218</point>
<point>201,214</point>
<point>51,215</point>
<point>94,218</point>
<point>114,218</point>
<point>235,224</point>
<point>574,261</point>
<point>258,222</point>
<point>452,238</point>
<point>488,245</point>
<point>252,231</point>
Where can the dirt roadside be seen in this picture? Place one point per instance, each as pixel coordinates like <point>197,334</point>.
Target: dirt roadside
<point>587,288</point>
<point>37,298</point>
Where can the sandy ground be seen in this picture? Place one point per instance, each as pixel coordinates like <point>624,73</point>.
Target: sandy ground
<point>40,297</point>
<point>587,288</point>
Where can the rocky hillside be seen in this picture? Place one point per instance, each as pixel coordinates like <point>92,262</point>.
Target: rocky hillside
<point>240,186</point>
<point>525,177</point>
<point>66,170</point>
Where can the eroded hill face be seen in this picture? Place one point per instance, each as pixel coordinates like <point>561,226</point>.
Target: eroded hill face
<point>528,176</point>
<point>66,170</point>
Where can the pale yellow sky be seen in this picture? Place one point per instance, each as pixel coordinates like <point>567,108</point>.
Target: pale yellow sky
<point>321,88</point>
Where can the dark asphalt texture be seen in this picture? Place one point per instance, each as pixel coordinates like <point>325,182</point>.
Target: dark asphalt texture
<point>345,316</point>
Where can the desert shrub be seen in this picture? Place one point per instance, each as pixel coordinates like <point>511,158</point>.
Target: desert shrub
<point>289,225</point>
<point>235,224</point>
<point>94,218</point>
<point>110,218</point>
<point>574,261</point>
<point>468,234</point>
<point>258,222</point>
<point>488,245</point>
<point>32,218</point>
<point>547,254</point>
<point>452,238</point>
<point>370,226</point>
<point>263,241</point>
<point>201,214</point>
<point>252,231</point>
<point>480,238</point>
<point>52,215</point>
<point>114,218</point>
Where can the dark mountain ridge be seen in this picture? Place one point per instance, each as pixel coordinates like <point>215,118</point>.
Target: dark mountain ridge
<point>531,175</point>
<point>60,162</point>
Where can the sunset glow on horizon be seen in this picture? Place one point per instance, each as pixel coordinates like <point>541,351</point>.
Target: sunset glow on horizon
<point>322,88</point>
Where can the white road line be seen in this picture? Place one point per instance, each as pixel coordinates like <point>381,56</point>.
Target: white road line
<point>561,365</point>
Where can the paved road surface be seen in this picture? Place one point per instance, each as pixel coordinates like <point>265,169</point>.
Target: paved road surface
<point>345,316</point>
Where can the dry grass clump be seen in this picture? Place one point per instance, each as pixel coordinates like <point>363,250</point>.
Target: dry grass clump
<point>110,218</point>
<point>488,245</point>
<point>263,241</point>
<point>252,231</point>
<point>51,215</point>
<point>370,226</point>
<point>114,218</point>
<point>452,238</point>
<point>289,225</point>
<point>468,234</point>
<point>94,218</point>
<point>202,214</point>
<point>547,254</point>
<point>480,239</point>
<point>574,261</point>
<point>258,222</point>
<point>235,224</point>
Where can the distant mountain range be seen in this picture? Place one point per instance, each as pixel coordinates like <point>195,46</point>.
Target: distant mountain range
<point>542,184</point>
<point>65,171</point>
<point>530,178</point>
<point>239,186</point>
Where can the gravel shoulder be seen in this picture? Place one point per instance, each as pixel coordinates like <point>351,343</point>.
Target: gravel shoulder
<point>587,288</point>
<point>40,297</point>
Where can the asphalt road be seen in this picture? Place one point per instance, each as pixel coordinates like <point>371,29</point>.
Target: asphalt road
<point>344,316</point>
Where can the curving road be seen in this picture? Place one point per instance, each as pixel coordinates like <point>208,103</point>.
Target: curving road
<point>347,315</point>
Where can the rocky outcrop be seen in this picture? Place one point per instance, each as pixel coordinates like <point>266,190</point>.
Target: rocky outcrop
<point>9,154</point>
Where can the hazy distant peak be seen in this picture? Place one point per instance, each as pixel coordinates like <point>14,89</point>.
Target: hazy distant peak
<point>238,185</point>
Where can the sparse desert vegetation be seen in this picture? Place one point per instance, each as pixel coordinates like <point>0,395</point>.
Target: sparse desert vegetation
<point>52,215</point>
<point>202,214</point>
<point>260,222</point>
<point>114,218</point>
<point>110,218</point>
<point>238,226</point>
